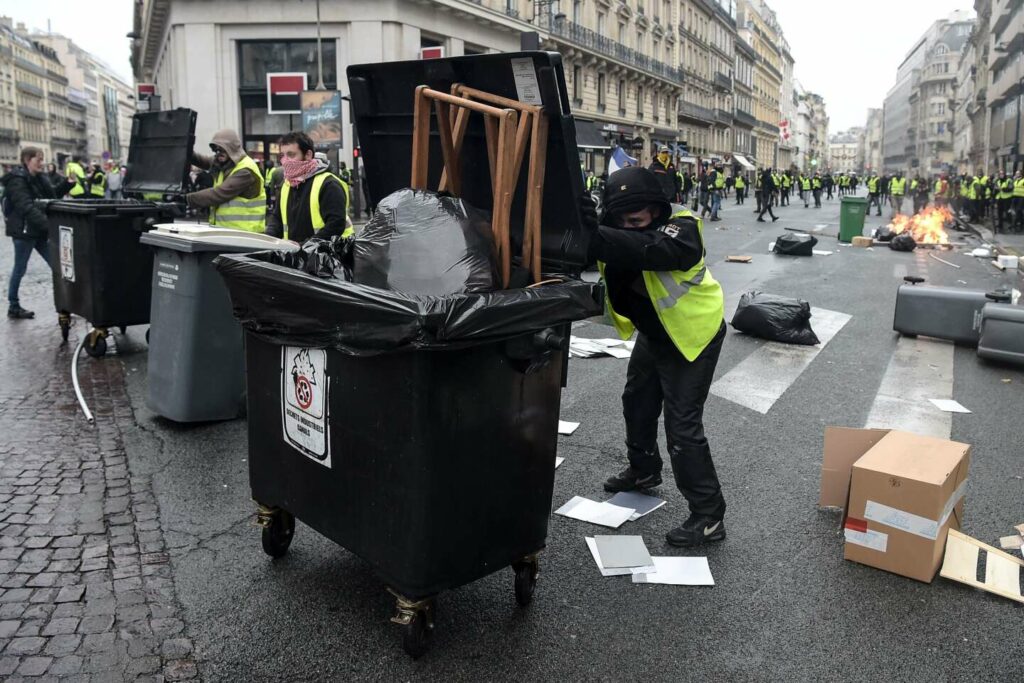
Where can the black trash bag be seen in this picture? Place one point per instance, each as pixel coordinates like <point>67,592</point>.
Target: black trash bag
<point>795,244</point>
<point>318,257</point>
<point>420,242</point>
<point>777,318</point>
<point>903,242</point>
<point>884,234</point>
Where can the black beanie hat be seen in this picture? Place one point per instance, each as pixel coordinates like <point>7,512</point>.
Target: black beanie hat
<point>631,189</point>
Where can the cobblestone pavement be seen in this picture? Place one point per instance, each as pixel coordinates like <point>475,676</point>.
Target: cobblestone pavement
<point>85,587</point>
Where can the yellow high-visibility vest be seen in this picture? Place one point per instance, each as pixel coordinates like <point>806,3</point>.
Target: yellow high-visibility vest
<point>241,213</point>
<point>315,217</point>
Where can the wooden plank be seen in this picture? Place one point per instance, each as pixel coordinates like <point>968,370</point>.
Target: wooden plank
<point>453,180</point>
<point>420,140</point>
<point>535,196</point>
<point>958,565</point>
<point>497,100</point>
<point>504,188</point>
<point>491,136</point>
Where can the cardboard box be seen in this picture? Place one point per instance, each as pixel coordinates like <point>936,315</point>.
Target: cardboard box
<point>862,241</point>
<point>902,493</point>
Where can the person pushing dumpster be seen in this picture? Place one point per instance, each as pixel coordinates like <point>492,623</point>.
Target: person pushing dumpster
<point>312,200</point>
<point>237,199</point>
<point>651,257</point>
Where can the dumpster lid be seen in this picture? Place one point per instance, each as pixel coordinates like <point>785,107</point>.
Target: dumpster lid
<point>382,105</point>
<point>160,152</point>
<point>195,237</point>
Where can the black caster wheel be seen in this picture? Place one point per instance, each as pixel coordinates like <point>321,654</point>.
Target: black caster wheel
<point>65,328</point>
<point>96,345</point>
<point>147,335</point>
<point>525,581</point>
<point>418,633</point>
<point>123,330</point>
<point>277,535</point>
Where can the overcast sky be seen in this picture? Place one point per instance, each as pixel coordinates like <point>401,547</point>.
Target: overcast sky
<point>849,56</point>
<point>98,26</point>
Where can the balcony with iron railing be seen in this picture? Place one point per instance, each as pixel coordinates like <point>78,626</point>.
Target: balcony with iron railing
<point>696,112</point>
<point>687,33</point>
<point>32,112</point>
<point>723,116</point>
<point>26,87</point>
<point>723,81</point>
<point>582,36</point>
<point>29,66</point>
<point>745,118</point>
<point>9,135</point>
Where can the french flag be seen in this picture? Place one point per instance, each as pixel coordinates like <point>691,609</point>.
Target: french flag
<point>619,159</point>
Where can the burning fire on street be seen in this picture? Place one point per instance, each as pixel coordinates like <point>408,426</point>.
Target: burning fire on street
<point>927,226</point>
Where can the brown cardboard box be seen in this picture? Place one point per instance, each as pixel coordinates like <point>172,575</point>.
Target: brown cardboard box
<point>905,492</point>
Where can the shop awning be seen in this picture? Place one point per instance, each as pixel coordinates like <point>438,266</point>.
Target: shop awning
<point>742,160</point>
<point>687,160</point>
<point>588,136</point>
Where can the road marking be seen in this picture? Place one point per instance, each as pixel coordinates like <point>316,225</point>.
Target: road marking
<point>760,379</point>
<point>918,370</point>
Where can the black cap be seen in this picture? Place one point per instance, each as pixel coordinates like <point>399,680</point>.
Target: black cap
<point>631,189</point>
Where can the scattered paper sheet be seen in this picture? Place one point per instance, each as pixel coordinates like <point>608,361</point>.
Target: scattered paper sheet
<point>948,405</point>
<point>821,252</point>
<point>643,504</point>
<point>567,428</point>
<point>622,552</point>
<point>589,348</point>
<point>1010,542</point>
<point>624,571</point>
<point>678,571</point>
<point>587,510</point>
<point>558,461</point>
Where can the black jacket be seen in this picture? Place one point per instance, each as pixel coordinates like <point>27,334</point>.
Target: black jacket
<point>24,219</point>
<point>667,178</point>
<point>767,182</point>
<point>333,209</point>
<point>676,245</point>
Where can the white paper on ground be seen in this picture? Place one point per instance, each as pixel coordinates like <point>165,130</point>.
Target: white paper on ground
<point>558,461</point>
<point>643,504</point>
<point>948,405</point>
<point>566,428</point>
<point>588,348</point>
<point>622,552</point>
<point>820,252</point>
<point>678,571</point>
<point>587,510</point>
<point>618,353</point>
<point>624,571</point>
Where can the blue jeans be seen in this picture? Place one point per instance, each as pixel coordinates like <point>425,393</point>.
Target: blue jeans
<point>22,251</point>
<point>716,203</point>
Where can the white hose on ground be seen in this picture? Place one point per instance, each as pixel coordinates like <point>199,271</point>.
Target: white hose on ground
<point>74,379</point>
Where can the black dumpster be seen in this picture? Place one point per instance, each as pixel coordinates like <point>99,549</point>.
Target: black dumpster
<point>419,432</point>
<point>100,271</point>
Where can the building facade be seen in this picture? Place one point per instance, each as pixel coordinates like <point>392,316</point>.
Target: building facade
<point>871,156</point>
<point>1005,89</point>
<point>35,109</point>
<point>744,121</point>
<point>817,135</point>
<point>843,151</point>
<point>787,109</point>
<point>758,26</point>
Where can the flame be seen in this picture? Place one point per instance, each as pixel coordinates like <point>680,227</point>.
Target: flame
<point>926,227</point>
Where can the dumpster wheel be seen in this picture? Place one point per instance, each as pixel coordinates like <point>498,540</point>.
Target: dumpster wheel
<point>526,570</point>
<point>278,530</point>
<point>96,342</point>
<point>64,320</point>
<point>416,617</point>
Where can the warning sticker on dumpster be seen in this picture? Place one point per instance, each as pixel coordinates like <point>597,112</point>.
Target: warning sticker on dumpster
<point>304,402</point>
<point>67,253</point>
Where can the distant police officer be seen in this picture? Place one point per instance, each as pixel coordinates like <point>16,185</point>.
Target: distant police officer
<point>651,257</point>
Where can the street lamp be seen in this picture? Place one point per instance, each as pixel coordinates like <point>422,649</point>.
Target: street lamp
<point>1002,48</point>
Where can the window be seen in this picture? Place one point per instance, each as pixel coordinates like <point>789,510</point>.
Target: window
<point>601,99</point>
<point>257,59</point>
<point>577,83</point>
<point>577,11</point>
<point>621,96</point>
<point>622,33</point>
<point>640,102</point>
<point>600,23</point>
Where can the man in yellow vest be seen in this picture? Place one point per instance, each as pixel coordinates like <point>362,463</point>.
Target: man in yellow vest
<point>1018,201</point>
<point>651,257</point>
<point>312,201</point>
<point>1004,198</point>
<point>874,183</point>
<point>237,199</point>
<point>97,182</point>
<point>897,190</point>
<point>741,187</point>
<point>75,174</point>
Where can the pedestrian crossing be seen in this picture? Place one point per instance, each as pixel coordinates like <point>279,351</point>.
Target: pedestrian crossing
<point>919,369</point>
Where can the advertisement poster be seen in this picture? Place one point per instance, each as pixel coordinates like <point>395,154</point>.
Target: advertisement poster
<point>321,117</point>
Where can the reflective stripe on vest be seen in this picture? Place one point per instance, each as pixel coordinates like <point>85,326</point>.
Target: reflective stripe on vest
<point>101,186</point>
<point>75,169</point>
<point>241,213</point>
<point>689,303</point>
<point>315,217</point>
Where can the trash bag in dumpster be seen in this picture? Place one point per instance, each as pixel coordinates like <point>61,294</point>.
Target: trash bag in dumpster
<point>795,244</point>
<point>884,234</point>
<point>318,257</point>
<point>277,300</point>
<point>777,318</point>
<point>421,242</point>
<point>903,242</point>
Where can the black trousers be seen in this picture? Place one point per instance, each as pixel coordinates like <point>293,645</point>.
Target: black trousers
<point>659,375</point>
<point>785,197</point>
<point>1002,213</point>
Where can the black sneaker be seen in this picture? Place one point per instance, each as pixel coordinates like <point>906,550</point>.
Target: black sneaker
<point>631,480</point>
<point>695,531</point>
<point>18,312</point>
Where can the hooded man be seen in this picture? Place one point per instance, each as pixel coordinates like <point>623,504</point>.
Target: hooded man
<point>665,171</point>
<point>651,257</point>
<point>238,198</point>
<point>312,201</point>
<point>26,222</point>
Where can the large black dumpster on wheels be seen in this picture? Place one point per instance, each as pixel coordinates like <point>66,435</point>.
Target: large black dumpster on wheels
<point>419,432</point>
<point>100,271</point>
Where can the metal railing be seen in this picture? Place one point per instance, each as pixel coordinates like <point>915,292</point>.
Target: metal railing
<point>30,89</point>
<point>9,134</point>
<point>723,116</point>
<point>695,111</point>
<point>32,112</point>
<point>584,37</point>
<point>723,81</point>
<point>744,117</point>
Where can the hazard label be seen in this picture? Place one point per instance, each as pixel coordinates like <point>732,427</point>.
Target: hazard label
<point>304,402</point>
<point>67,253</point>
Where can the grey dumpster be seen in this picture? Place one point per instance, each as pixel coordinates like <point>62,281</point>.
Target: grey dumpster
<point>196,360</point>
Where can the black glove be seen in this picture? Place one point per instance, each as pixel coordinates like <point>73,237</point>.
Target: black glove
<point>588,214</point>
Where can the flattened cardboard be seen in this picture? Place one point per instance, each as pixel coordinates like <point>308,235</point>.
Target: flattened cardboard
<point>916,475</point>
<point>843,447</point>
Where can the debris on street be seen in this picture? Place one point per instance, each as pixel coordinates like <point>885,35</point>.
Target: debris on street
<point>580,347</point>
<point>1002,570</point>
<point>643,504</point>
<point>566,428</point>
<point>678,571</point>
<point>948,405</point>
<point>776,318</point>
<point>603,514</point>
<point>738,259</point>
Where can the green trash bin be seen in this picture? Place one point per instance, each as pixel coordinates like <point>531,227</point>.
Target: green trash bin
<point>851,217</point>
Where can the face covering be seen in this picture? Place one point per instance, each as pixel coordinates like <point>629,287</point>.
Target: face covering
<point>663,158</point>
<point>298,170</point>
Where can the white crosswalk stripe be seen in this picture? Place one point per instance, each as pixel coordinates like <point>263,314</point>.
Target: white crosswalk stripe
<point>919,369</point>
<point>760,379</point>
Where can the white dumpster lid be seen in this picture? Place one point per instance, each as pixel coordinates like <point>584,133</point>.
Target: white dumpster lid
<point>206,234</point>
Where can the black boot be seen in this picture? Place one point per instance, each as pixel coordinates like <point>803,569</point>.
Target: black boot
<point>18,313</point>
<point>632,480</point>
<point>697,530</point>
